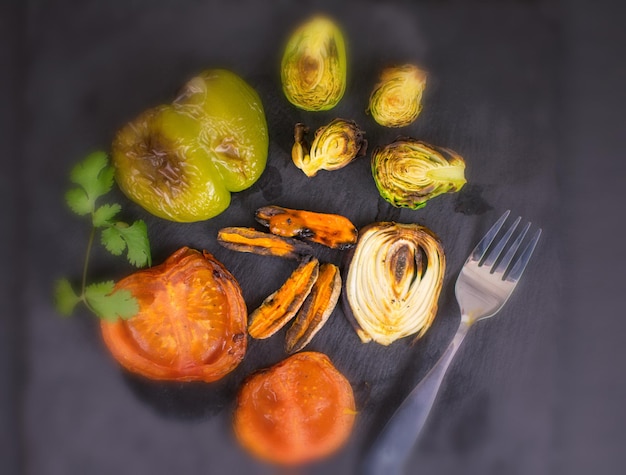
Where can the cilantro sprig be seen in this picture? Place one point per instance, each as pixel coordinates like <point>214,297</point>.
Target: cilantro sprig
<point>95,177</point>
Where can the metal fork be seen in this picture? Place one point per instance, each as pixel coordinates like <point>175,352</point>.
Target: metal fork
<point>485,283</point>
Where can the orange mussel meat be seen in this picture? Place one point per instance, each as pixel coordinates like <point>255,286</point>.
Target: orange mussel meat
<point>331,230</point>
<point>191,324</point>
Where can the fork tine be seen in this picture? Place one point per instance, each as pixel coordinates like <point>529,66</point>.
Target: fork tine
<point>485,242</point>
<point>508,257</point>
<point>520,264</point>
<point>497,250</point>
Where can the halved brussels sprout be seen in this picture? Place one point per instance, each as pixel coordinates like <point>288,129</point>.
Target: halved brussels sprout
<point>396,100</point>
<point>313,68</point>
<point>394,280</point>
<point>335,145</point>
<point>409,172</point>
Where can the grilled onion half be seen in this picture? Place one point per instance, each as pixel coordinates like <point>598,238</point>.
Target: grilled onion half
<point>393,281</point>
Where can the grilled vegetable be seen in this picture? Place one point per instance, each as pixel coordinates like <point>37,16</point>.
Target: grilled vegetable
<point>191,324</point>
<point>182,161</point>
<point>334,146</point>
<point>316,309</point>
<point>298,411</point>
<point>330,230</point>
<point>282,305</point>
<point>250,240</point>
<point>396,100</point>
<point>313,67</point>
<point>393,281</point>
<point>408,172</point>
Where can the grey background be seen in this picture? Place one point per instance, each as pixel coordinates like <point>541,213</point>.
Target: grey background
<point>529,92</point>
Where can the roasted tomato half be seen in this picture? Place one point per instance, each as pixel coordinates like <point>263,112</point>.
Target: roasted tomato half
<point>298,411</point>
<point>191,324</point>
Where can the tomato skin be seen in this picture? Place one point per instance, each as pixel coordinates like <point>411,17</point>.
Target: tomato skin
<point>298,411</point>
<point>191,325</point>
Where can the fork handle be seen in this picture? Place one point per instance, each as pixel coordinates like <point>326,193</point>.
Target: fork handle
<point>393,446</point>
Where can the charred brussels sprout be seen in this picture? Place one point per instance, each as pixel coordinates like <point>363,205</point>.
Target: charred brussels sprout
<point>334,146</point>
<point>396,100</point>
<point>394,280</point>
<point>408,172</point>
<point>313,68</point>
<point>181,161</point>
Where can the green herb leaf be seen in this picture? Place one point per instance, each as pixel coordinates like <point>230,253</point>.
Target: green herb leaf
<point>104,214</point>
<point>134,238</point>
<point>112,240</point>
<point>111,304</point>
<point>94,175</point>
<point>65,299</point>
<point>78,201</point>
<point>95,178</point>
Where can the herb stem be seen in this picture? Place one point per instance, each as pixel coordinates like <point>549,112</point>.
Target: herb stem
<point>86,263</point>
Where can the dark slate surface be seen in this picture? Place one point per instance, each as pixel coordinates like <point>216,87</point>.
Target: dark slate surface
<point>531,392</point>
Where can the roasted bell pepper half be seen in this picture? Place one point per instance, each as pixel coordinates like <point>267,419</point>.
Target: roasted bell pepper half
<point>182,161</point>
<point>191,324</point>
